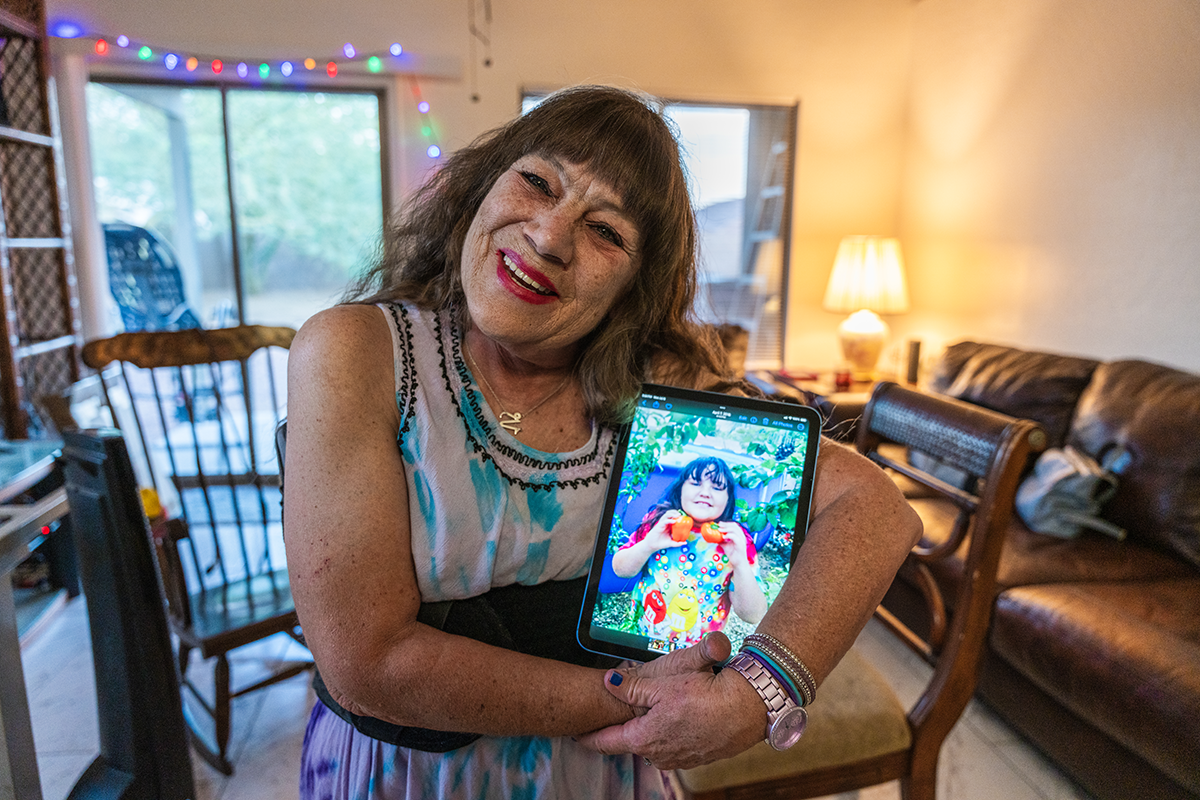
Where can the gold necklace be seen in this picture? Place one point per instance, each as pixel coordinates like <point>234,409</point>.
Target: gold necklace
<point>510,420</point>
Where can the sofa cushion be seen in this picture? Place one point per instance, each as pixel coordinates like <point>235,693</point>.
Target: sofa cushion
<point>1124,656</point>
<point>1154,413</point>
<point>1030,557</point>
<point>1040,386</point>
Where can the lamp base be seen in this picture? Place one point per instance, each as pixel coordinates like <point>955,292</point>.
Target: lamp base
<point>862,335</point>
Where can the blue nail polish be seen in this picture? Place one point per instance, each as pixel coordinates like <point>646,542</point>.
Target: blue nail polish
<point>615,679</point>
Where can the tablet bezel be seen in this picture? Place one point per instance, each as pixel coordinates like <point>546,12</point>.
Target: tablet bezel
<point>635,649</point>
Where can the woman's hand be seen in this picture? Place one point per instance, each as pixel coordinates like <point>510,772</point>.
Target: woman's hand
<point>691,716</point>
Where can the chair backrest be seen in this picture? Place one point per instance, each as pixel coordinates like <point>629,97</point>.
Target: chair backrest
<point>200,408</point>
<point>143,740</point>
<point>992,450</point>
<point>145,280</point>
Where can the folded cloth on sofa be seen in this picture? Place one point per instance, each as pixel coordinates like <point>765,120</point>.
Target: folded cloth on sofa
<point>1066,491</point>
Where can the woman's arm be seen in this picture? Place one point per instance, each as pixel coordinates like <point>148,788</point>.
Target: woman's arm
<point>861,531</point>
<point>351,567</point>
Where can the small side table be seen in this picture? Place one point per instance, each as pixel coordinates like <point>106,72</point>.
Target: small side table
<point>839,409</point>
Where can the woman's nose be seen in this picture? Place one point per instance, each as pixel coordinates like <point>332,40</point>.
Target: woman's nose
<point>551,231</point>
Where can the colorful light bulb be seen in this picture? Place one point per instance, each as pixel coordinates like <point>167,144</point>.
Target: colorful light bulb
<point>331,69</point>
<point>217,66</point>
<point>192,63</point>
<point>101,47</point>
<point>396,49</point>
<point>434,151</point>
<point>242,69</point>
<point>66,30</point>
<point>286,69</point>
<point>374,64</point>
<point>145,54</point>
<point>170,61</point>
<point>264,70</point>
<point>122,41</point>
<point>423,107</point>
<point>349,50</point>
<point>310,63</point>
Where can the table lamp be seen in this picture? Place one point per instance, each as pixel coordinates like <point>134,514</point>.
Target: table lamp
<point>867,280</point>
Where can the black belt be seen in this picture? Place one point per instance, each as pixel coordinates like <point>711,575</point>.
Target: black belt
<point>536,620</point>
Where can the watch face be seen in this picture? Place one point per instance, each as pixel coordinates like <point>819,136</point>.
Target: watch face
<point>788,728</point>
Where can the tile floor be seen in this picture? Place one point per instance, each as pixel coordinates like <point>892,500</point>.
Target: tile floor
<point>982,759</point>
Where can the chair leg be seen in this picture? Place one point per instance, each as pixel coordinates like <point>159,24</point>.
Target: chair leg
<point>222,704</point>
<point>212,750</point>
<point>921,784</point>
<point>185,657</point>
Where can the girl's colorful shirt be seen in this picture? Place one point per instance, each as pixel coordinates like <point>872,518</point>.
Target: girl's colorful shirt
<point>683,592</point>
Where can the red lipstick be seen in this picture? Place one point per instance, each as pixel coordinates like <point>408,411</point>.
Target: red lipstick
<point>522,280</point>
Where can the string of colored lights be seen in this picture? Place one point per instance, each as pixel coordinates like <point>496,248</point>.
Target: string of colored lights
<point>198,63</point>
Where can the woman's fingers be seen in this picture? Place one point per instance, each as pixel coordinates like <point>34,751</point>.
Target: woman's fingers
<point>713,649</point>
<point>692,718</point>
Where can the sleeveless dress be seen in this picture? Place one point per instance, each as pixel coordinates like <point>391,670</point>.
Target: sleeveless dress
<point>485,511</point>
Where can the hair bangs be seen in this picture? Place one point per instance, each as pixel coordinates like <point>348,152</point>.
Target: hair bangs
<point>623,141</point>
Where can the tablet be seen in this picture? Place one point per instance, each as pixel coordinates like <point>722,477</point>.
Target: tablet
<point>707,505</point>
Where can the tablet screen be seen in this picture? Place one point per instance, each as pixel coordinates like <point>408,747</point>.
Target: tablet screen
<point>706,507</point>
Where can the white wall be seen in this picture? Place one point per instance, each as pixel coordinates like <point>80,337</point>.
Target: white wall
<point>1040,159</point>
<point>1051,195</point>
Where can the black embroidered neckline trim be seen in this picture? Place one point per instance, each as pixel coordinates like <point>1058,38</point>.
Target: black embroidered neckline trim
<point>408,377</point>
<point>476,412</point>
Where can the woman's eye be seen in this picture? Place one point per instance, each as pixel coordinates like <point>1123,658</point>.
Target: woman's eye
<point>537,181</point>
<point>609,235</point>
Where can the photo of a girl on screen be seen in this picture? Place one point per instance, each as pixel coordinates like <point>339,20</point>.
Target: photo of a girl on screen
<point>695,563</point>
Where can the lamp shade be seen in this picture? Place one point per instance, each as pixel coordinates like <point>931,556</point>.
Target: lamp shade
<point>868,273</point>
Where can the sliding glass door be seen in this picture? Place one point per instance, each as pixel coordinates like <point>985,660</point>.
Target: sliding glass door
<point>251,205</point>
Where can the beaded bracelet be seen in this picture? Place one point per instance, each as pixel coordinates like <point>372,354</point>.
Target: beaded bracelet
<point>803,693</point>
<point>778,672</point>
<point>792,665</point>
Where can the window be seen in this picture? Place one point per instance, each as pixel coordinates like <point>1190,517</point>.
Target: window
<point>256,206</point>
<point>739,163</point>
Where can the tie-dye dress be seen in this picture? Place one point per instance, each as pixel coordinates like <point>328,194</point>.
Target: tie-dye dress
<point>534,518</point>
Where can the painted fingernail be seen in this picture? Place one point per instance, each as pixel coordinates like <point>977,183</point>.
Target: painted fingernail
<point>615,679</point>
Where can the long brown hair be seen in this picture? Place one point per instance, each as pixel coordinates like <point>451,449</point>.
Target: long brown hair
<point>651,331</point>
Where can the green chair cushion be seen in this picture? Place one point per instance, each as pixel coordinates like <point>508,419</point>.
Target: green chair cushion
<point>855,716</point>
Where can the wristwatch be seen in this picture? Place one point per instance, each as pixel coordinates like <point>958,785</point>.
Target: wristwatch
<point>785,720</point>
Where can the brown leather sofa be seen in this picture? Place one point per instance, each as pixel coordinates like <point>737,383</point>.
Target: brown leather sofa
<point>1094,652</point>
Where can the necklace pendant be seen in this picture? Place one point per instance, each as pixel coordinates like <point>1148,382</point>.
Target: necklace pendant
<point>511,421</point>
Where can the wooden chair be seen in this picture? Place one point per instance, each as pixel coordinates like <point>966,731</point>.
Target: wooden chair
<point>198,409</point>
<point>859,734</point>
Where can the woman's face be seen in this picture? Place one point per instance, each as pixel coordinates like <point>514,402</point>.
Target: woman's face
<point>705,496</point>
<point>549,252</point>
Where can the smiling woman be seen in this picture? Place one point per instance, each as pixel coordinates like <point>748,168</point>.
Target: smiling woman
<point>450,434</point>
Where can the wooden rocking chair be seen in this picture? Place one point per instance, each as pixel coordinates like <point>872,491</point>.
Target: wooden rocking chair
<point>198,409</point>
